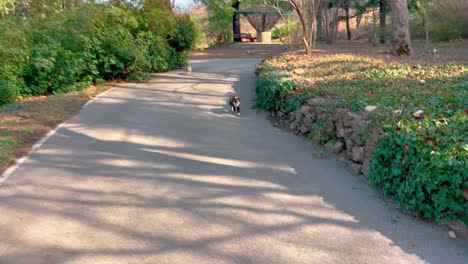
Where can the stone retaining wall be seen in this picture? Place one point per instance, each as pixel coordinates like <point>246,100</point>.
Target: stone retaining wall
<point>342,131</point>
<point>347,133</point>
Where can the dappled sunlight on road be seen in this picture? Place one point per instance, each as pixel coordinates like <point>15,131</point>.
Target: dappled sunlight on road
<point>220,161</point>
<point>152,174</point>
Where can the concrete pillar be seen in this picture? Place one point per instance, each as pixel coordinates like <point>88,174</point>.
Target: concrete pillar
<point>264,37</point>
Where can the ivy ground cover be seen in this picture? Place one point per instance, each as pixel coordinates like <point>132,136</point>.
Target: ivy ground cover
<point>419,161</point>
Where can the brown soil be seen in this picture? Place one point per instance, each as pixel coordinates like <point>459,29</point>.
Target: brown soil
<point>444,52</point>
<point>24,123</point>
<point>240,51</point>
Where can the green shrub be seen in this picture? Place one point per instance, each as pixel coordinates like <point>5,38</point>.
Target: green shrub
<point>8,93</point>
<point>201,38</point>
<point>283,31</point>
<point>274,88</point>
<point>139,77</point>
<point>278,32</point>
<point>114,44</point>
<point>153,53</point>
<point>277,91</point>
<point>178,59</point>
<point>294,101</point>
<point>157,16</point>
<point>186,35</point>
<point>422,165</point>
<point>13,51</point>
<point>67,50</point>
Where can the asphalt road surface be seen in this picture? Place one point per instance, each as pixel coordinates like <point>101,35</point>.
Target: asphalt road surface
<point>162,172</point>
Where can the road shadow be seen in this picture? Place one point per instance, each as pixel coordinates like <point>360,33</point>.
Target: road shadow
<point>162,173</point>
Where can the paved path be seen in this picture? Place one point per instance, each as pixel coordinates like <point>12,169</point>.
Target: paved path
<point>162,173</point>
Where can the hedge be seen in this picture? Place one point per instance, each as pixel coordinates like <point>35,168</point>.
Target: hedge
<point>69,50</point>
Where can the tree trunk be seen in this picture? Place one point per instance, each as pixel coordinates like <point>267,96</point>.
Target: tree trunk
<point>358,20</point>
<point>401,41</point>
<point>348,29</point>
<point>383,20</point>
<point>426,22</point>
<point>299,11</point>
<point>330,22</point>
<point>236,27</point>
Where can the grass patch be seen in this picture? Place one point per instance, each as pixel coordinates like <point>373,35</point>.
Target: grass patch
<point>421,163</point>
<point>28,131</point>
<point>7,145</point>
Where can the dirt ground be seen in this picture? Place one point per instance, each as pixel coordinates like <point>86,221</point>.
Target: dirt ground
<point>22,124</point>
<point>444,52</point>
<point>239,51</point>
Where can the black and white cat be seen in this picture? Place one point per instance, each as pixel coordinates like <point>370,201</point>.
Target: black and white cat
<point>234,103</point>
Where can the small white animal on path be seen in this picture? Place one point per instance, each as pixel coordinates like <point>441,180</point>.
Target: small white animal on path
<point>189,70</point>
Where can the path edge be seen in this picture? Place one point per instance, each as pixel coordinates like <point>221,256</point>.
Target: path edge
<point>20,161</point>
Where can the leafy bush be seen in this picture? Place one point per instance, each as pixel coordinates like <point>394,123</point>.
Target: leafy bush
<point>274,88</point>
<point>283,31</point>
<point>279,32</point>
<point>218,28</point>
<point>13,52</point>
<point>7,92</point>
<point>157,53</point>
<point>421,163</point>
<point>186,35</point>
<point>69,49</point>
<point>178,59</point>
<point>294,102</point>
<point>139,77</point>
<point>201,38</point>
<point>157,16</point>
